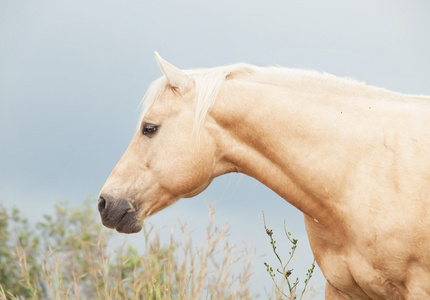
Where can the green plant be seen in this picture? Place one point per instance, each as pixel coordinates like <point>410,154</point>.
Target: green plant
<point>284,271</point>
<point>18,239</point>
<point>69,255</point>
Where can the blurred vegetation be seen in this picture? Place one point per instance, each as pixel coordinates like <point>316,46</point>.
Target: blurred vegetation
<point>70,255</point>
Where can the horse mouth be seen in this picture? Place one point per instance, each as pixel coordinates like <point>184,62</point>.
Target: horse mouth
<point>121,215</point>
<point>129,223</point>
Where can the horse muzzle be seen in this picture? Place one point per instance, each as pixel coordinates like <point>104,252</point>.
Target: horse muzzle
<point>119,214</point>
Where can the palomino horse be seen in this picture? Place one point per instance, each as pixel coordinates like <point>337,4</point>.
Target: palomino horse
<point>354,159</point>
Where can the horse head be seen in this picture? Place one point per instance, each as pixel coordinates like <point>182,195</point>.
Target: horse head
<point>169,157</point>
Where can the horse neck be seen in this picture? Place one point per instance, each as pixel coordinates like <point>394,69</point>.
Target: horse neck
<point>290,140</point>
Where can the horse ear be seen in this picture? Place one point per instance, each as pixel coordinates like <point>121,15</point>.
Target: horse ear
<point>175,77</point>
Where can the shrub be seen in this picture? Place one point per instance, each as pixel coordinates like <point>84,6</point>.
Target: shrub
<point>70,255</point>
<point>66,256</point>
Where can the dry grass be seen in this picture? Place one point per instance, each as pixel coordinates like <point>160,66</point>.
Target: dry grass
<point>79,264</point>
<point>71,256</point>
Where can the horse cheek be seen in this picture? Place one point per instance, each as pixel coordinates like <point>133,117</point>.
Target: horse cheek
<point>188,176</point>
<point>191,171</point>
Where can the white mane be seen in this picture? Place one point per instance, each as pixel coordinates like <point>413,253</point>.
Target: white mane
<point>209,81</point>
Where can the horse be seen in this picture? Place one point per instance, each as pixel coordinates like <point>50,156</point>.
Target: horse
<point>354,159</point>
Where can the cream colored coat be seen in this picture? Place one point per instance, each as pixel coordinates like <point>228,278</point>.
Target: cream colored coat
<point>354,159</point>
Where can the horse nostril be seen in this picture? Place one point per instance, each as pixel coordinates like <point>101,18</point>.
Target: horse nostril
<point>102,204</point>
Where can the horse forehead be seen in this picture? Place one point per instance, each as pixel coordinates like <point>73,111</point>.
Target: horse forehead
<point>169,104</point>
<point>165,105</point>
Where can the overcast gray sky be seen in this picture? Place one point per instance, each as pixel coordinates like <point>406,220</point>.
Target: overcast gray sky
<point>72,75</point>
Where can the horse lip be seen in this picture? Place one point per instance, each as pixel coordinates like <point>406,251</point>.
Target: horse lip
<point>112,222</point>
<point>129,223</point>
<point>120,219</point>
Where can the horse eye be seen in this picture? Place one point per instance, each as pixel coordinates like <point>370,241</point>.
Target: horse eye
<point>149,129</point>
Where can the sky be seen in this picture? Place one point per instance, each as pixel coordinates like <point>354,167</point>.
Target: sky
<point>72,74</point>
